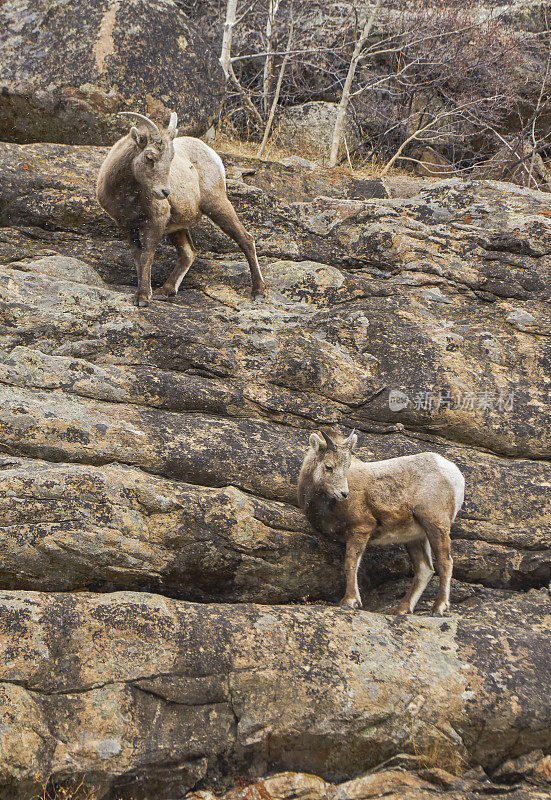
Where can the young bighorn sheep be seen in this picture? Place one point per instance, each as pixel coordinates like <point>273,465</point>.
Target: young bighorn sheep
<point>411,500</point>
<point>152,183</point>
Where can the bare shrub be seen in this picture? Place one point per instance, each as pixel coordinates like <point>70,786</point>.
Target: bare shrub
<point>453,76</point>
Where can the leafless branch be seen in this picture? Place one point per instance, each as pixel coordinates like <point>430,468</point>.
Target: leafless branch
<point>278,87</point>
<point>246,99</point>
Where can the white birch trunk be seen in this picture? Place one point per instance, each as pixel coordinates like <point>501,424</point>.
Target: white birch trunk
<point>343,104</point>
<point>273,7</point>
<point>225,57</point>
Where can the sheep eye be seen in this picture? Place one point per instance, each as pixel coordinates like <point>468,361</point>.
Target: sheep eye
<point>329,469</point>
<point>150,157</point>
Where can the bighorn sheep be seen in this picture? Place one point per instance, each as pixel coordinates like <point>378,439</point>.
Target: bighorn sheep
<point>411,500</point>
<point>151,183</point>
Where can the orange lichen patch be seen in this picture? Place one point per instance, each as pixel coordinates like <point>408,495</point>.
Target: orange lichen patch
<point>104,45</point>
<point>255,791</point>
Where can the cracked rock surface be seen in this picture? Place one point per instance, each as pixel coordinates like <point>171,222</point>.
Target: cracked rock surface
<point>167,617</point>
<point>136,691</point>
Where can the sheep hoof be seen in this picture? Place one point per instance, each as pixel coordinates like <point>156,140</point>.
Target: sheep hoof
<point>401,609</point>
<point>350,605</point>
<point>440,609</point>
<point>258,291</point>
<point>164,293</point>
<point>141,300</point>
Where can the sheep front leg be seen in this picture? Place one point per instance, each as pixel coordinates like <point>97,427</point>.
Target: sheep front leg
<point>135,245</point>
<point>186,256</point>
<point>150,237</point>
<point>355,546</point>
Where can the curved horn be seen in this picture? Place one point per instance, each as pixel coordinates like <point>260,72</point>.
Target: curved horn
<point>173,124</point>
<point>151,125</point>
<point>330,443</point>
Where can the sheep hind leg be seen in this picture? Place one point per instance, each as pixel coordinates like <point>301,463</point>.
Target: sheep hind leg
<point>186,256</point>
<point>438,534</point>
<point>423,570</point>
<point>223,214</point>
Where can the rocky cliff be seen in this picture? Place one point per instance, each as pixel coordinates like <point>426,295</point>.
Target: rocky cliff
<point>68,67</point>
<point>167,611</point>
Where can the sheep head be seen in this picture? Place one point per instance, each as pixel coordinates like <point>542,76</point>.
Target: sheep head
<point>154,154</point>
<point>332,456</point>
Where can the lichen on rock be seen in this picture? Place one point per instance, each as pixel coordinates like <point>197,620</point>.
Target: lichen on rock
<point>166,611</point>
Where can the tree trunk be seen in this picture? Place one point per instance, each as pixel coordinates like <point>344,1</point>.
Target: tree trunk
<point>273,7</point>
<point>225,57</point>
<point>343,105</point>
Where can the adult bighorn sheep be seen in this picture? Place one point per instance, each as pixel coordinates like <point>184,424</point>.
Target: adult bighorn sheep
<point>152,183</point>
<point>410,500</point>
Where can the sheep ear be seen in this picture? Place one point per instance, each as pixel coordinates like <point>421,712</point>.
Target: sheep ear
<point>352,441</point>
<point>139,138</point>
<point>172,125</point>
<point>316,442</point>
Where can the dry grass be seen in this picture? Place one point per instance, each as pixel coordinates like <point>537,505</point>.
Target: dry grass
<point>372,168</point>
<point>443,755</point>
<point>439,753</point>
<point>50,790</point>
<point>228,141</point>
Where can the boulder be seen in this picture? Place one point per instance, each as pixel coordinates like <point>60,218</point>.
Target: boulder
<point>320,29</point>
<point>517,163</point>
<point>372,276</point>
<point>307,129</point>
<point>399,777</point>
<point>137,695</point>
<point>533,767</point>
<point>430,163</point>
<point>68,68</point>
<point>70,527</point>
<point>63,267</point>
<point>297,179</point>
<point>527,15</point>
